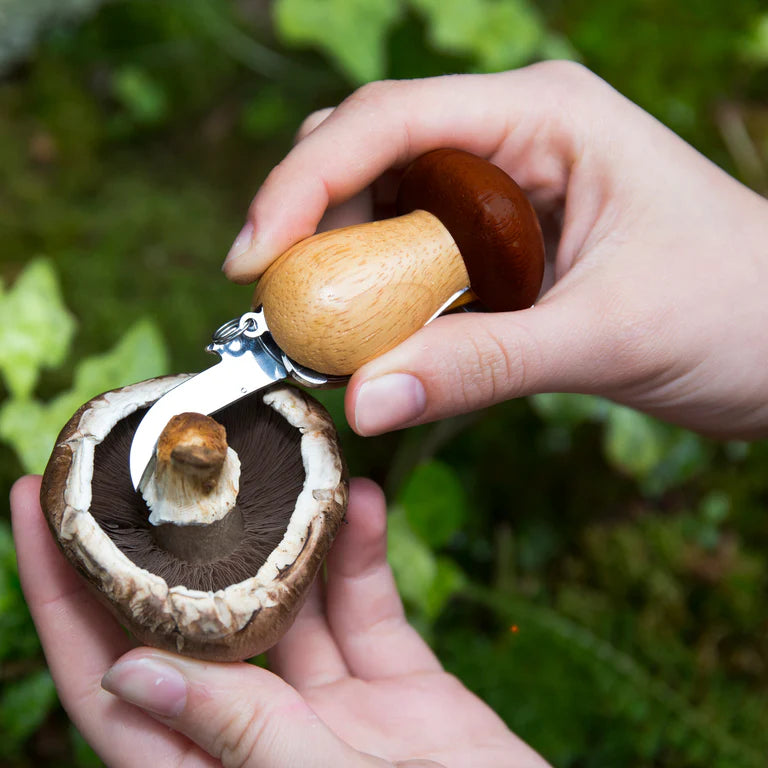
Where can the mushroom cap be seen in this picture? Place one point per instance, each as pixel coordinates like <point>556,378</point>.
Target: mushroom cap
<point>228,623</point>
<point>490,219</point>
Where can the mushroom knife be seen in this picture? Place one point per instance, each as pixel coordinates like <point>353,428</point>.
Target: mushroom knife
<point>250,360</point>
<point>341,298</point>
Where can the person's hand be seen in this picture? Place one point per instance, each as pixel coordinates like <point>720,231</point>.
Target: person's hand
<point>661,268</point>
<point>359,686</point>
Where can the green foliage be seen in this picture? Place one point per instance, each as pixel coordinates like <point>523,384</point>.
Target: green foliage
<point>756,48</point>
<point>434,503</point>
<point>494,34</point>
<point>522,669</point>
<point>425,580</point>
<point>140,94</point>
<point>30,426</point>
<point>654,454</point>
<point>23,706</point>
<point>352,32</point>
<point>268,114</point>
<point>17,635</point>
<point>35,328</point>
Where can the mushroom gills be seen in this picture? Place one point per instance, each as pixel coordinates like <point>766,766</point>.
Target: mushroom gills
<point>228,551</point>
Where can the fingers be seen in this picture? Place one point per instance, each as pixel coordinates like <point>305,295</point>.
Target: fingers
<point>530,121</point>
<point>362,630</point>
<point>466,362</point>
<point>308,656</point>
<point>81,641</point>
<point>240,714</point>
<point>65,613</point>
<point>364,610</point>
<point>353,211</point>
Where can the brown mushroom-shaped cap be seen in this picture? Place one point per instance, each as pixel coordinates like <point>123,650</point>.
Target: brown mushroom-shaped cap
<point>489,217</point>
<point>227,605</point>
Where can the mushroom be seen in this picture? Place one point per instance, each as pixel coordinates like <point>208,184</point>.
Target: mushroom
<point>214,557</point>
<point>463,222</point>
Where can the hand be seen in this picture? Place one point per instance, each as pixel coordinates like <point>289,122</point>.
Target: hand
<point>359,688</point>
<point>661,268</point>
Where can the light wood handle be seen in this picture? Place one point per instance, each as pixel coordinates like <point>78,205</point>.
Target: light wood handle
<point>338,299</point>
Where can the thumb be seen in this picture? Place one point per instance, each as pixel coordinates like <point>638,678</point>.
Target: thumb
<point>240,714</point>
<point>468,361</point>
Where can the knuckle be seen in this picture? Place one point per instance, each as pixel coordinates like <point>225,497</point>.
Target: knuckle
<point>636,340</point>
<point>566,72</point>
<point>570,82</point>
<point>311,122</point>
<point>279,170</point>
<point>471,374</point>
<point>496,367</point>
<point>371,94</point>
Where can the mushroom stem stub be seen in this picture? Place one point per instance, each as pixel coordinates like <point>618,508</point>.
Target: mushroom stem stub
<point>191,489</point>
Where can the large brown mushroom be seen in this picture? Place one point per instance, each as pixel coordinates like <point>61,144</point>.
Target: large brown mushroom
<point>214,557</point>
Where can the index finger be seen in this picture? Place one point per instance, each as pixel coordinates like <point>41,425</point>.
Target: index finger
<point>520,120</point>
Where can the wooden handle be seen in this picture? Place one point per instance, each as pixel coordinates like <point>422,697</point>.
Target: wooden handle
<point>338,299</point>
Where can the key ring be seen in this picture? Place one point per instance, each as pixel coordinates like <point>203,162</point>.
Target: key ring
<point>249,324</point>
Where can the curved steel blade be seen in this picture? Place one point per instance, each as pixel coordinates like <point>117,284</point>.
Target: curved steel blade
<point>216,387</point>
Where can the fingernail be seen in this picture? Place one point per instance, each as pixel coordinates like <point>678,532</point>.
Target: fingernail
<point>149,684</point>
<point>388,402</point>
<point>242,243</point>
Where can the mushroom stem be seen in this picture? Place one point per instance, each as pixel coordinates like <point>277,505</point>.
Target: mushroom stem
<point>191,490</point>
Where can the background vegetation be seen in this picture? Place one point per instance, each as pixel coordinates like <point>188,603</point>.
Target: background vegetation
<point>598,577</point>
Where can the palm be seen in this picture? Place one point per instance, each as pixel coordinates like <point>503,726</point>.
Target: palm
<point>428,715</point>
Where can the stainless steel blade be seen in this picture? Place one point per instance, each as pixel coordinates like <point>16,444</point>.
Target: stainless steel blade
<point>246,366</point>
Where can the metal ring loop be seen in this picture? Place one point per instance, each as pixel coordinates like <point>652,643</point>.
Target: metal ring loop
<point>227,332</point>
<point>249,324</point>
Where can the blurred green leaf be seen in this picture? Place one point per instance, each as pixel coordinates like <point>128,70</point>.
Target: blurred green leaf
<point>633,442</point>
<point>434,502</point>
<point>18,639</point>
<point>351,32</point>
<point>31,426</point>
<point>35,327</point>
<point>413,563</point>
<point>447,581</point>
<point>24,704</point>
<point>569,410</point>
<point>268,114</point>
<point>426,582</point>
<point>140,95</point>
<point>655,454</point>
<point>715,507</point>
<point>500,34</point>
<point>756,48</point>
<point>713,510</point>
<point>140,354</point>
